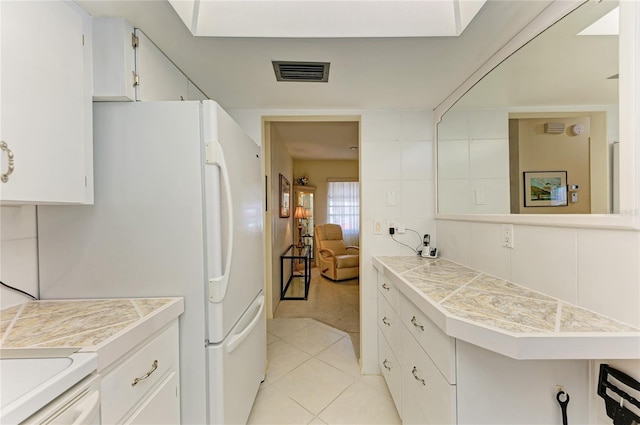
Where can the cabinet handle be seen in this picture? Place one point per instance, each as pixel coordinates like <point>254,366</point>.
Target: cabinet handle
<point>385,286</point>
<point>154,366</point>
<point>385,363</point>
<point>10,167</point>
<point>415,376</point>
<point>415,323</point>
<point>386,321</point>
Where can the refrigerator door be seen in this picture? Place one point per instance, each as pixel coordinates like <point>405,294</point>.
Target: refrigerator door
<point>236,367</point>
<point>234,214</point>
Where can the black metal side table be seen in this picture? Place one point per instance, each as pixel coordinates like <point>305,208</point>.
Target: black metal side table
<point>295,267</point>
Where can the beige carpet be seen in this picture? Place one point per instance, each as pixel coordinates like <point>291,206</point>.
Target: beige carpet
<point>334,303</point>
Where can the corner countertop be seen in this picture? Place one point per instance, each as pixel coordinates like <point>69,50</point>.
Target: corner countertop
<point>505,317</point>
<point>108,327</point>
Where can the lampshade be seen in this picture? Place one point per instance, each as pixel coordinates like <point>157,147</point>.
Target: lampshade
<point>299,212</point>
<point>307,213</point>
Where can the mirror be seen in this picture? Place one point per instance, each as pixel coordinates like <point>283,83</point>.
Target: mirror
<point>538,134</point>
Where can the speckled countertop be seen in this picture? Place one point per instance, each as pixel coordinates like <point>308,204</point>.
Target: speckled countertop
<point>505,317</point>
<point>109,327</point>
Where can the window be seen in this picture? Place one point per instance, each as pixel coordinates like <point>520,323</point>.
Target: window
<point>344,209</point>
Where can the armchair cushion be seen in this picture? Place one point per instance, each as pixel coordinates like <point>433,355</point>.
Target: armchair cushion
<point>344,261</point>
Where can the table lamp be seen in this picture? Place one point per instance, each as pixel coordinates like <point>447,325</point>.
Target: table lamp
<point>299,215</point>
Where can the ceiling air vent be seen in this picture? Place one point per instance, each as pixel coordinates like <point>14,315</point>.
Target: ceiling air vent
<point>310,72</point>
<point>554,127</point>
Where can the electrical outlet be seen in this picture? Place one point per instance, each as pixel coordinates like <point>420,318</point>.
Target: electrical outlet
<point>401,227</point>
<point>507,235</point>
<point>392,223</point>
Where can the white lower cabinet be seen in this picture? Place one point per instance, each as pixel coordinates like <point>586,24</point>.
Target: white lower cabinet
<point>443,380</point>
<point>431,399</point>
<point>391,370</point>
<point>159,407</point>
<point>144,386</point>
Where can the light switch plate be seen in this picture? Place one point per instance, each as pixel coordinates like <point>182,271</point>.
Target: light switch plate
<point>391,199</point>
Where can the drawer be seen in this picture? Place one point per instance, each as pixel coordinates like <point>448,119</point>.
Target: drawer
<point>425,387</point>
<point>389,323</point>
<point>391,370</point>
<point>388,290</point>
<point>439,346</point>
<point>119,394</point>
<point>162,406</point>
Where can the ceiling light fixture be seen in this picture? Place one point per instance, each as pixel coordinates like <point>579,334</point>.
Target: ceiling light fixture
<point>609,24</point>
<point>326,19</point>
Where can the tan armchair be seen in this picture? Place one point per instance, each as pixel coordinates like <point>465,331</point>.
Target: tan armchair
<point>335,260</point>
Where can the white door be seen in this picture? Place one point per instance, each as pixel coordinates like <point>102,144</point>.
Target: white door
<point>236,367</point>
<point>234,198</point>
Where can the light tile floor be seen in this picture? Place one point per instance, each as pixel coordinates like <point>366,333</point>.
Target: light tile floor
<point>314,378</point>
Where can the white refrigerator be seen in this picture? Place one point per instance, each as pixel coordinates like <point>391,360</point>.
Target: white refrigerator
<point>178,212</point>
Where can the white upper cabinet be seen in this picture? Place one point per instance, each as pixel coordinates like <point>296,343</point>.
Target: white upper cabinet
<point>158,77</point>
<point>114,63</point>
<point>45,118</point>
<point>129,67</point>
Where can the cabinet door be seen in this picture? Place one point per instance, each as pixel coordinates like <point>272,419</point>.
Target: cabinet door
<point>159,78</point>
<point>424,387</point>
<point>43,102</point>
<point>391,370</point>
<point>113,59</point>
<point>162,406</point>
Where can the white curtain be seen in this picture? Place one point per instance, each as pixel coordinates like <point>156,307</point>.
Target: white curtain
<point>344,209</point>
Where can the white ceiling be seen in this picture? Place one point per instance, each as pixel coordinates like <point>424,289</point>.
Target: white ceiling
<point>374,73</point>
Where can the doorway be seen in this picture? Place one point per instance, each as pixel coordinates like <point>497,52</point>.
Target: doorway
<point>309,152</point>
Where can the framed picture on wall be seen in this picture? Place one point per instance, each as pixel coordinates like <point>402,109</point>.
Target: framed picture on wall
<point>285,197</point>
<point>545,189</point>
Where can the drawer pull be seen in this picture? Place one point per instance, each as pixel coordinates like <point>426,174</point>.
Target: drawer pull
<point>385,286</point>
<point>415,376</point>
<point>385,363</point>
<point>415,323</point>
<point>10,167</point>
<point>386,321</point>
<point>154,366</point>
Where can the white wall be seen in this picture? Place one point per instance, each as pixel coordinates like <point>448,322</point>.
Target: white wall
<point>18,253</point>
<point>395,155</point>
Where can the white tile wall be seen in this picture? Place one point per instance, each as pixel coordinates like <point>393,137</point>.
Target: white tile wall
<point>544,259</point>
<point>487,252</point>
<point>609,273</point>
<point>18,253</point>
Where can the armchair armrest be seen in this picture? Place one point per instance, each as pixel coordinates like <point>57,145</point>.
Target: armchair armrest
<point>326,252</point>
<point>353,247</point>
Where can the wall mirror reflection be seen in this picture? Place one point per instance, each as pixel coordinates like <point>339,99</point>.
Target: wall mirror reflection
<point>550,109</point>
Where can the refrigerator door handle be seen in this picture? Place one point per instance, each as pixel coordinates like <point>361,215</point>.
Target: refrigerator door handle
<point>218,285</point>
<point>237,339</point>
